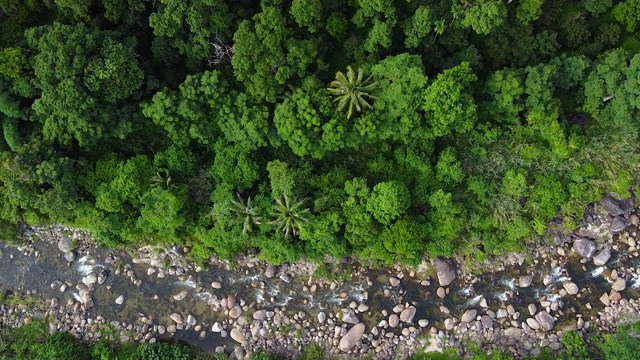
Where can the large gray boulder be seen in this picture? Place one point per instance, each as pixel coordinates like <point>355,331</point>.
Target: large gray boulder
<point>446,271</point>
<point>545,320</point>
<point>614,206</point>
<point>349,340</point>
<point>584,247</point>
<point>617,225</point>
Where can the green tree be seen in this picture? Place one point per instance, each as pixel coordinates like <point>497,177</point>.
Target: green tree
<point>307,13</point>
<point>352,90</point>
<point>388,201</point>
<point>160,214</point>
<point>266,56</point>
<point>417,27</point>
<point>405,240</point>
<point>448,102</point>
<point>628,14</point>
<point>482,16</point>
<point>192,25</point>
<point>83,75</point>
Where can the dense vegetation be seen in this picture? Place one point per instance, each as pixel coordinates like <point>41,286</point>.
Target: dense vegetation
<point>34,342</point>
<point>379,129</point>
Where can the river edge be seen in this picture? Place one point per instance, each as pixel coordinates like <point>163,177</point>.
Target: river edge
<point>533,298</point>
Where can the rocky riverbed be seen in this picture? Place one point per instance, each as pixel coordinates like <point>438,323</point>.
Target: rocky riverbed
<point>519,303</point>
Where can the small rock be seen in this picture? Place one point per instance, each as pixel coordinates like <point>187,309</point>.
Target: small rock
<point>449,323</point>
<point>532,309</point>
<point>260,315</point>
<point>570,287</point>
<point>545,320</point>
<point>486,321</point>
<point>286,278</point>
<point>216,327</point>
<point>70,256</point>
<point>533,323</point>
<point>120,300</point>
<point>235,312</point>
<point>619,284</point>
<point>238,336</point>
<point>634,220</point>
<point>407,314</point>
<point>393,281</point>
<point>441,292</point>
<point>512,332</point>
<point>525,281</point>
<point>398,308</point>
<point>177,318</point>
<point>469,315</point>
<point>90,279</point>
<point>423,323</point>
<point>322,317</point>
<point>191,320</point>
<point>180,296</point>
<point>216,285</point>
<point>614,295</point>
<point>394,320</point>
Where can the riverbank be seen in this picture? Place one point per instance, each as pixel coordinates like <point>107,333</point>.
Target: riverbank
<point>519,303</point>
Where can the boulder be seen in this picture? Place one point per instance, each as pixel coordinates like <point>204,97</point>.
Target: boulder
<point>570,287</point>
<point>469,315</point>
<point>619,284</point>
<point>407,314</point>
<point>614,295</point>
<point>486,321</point>
<point>394,320</point>
<point>349,317</point>
<point>349,340</point>
<point>270,271</point>
<point>605,299</point>
<point>90,279</point>
<point>238,336</point>
<point>584,247</point>
<point>617,225</point>
<point>525,281</point>
<point>449,324</point>
<point>235,312</point>
<point>180,296</point>
<point>216,327</point>
<point>614,206</point>
<point>70,256</point>
<point>64,245</point>
<point>177,318</point>
<point>602,257</point>
<point>512,332</point>
<point>260,315</point>
<point>545,320</point>
<point>445,270</point>
<point>533,323</point>
<point>322,317</point>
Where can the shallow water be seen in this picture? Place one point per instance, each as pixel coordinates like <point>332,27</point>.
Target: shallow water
<point>20,273</point>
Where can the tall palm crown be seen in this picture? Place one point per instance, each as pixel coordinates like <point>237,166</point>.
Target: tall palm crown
<point>245,214</point>
<point>352,90</point>
<point>288,215</point>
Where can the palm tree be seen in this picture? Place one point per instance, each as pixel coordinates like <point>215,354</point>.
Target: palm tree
<point>288,215</point>
<point>352,90</point>
<point>245,214</point>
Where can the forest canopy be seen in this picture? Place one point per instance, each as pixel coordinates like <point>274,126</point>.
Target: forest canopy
<point>382,130</point>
